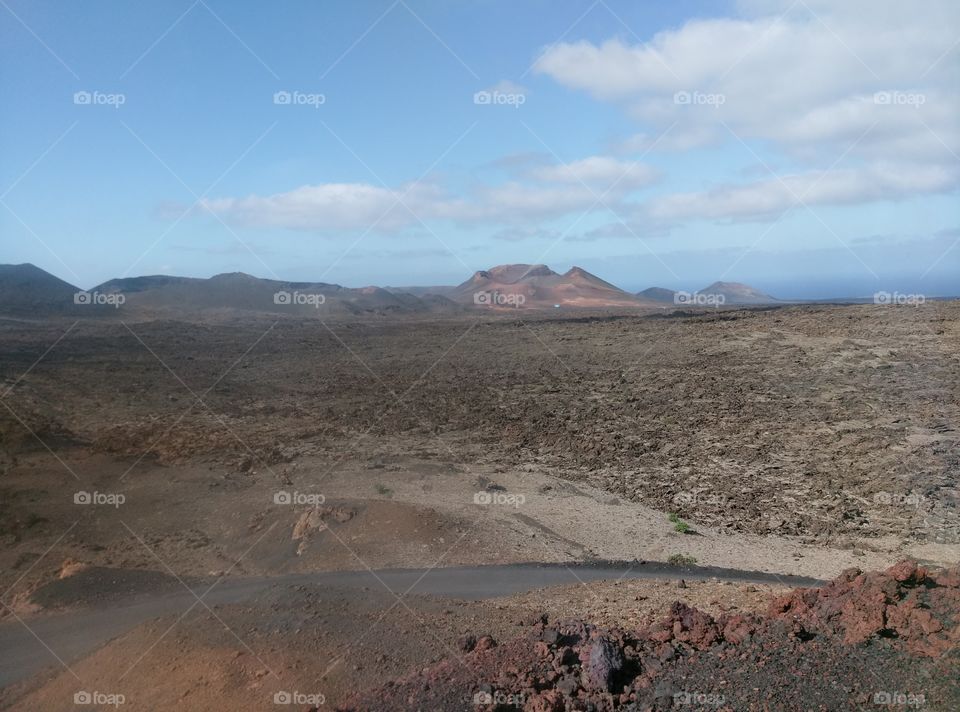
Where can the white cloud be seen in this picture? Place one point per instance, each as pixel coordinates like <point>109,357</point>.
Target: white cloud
<point>328,206</point>
<point>518,234</point>
<point>874,80</point>
<point>768,198</point>
<point>336,207</point>
<point>600,172</point>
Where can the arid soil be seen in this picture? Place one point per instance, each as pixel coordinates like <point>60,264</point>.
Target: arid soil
<point>819,421</point>
<point>799,440</point>
<point>658,645</point>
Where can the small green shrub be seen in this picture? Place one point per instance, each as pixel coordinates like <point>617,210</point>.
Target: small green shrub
<point>682,560</point>
<point>383,490</point>
<point>678,524</point>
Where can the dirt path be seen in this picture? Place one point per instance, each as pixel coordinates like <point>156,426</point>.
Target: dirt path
<point>27,650</point>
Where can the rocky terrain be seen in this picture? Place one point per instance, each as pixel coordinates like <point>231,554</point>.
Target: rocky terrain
<point>142,456</point>
<point>829,423</point>
<point>862,641</point>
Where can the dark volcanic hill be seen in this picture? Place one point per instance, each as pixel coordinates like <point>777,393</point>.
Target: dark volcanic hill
<point>658,294</point>
<point>737,293</point>
<point>28,291</point>
<point>238,291</point>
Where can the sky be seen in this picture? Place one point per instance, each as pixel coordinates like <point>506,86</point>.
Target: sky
<point>808,148</point>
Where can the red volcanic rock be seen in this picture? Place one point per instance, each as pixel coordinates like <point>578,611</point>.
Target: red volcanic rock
<point>686,625</point>
<point>737,628</point>
<point>898,625</point>
<point>903,603</point>
<point>548,701</point>
<point>485,643</point>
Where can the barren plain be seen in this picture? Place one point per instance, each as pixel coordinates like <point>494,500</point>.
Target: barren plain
<point>150,465</point>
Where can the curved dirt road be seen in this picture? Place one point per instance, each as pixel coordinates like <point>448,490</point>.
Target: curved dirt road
<point>28,646</point>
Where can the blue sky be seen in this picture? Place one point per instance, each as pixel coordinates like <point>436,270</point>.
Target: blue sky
<point>805,149</point>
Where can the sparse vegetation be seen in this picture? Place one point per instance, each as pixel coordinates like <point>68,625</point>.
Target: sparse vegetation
<point>678,524</point>
<point>383,490</point>
<point>682,560</point>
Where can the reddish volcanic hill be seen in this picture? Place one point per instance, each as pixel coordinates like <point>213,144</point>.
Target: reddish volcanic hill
<point>539,286</point>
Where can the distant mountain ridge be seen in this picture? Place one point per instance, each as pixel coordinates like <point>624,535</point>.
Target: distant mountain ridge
<point>734,293</point>
<point>241,291</point>
<point>28,291</point>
